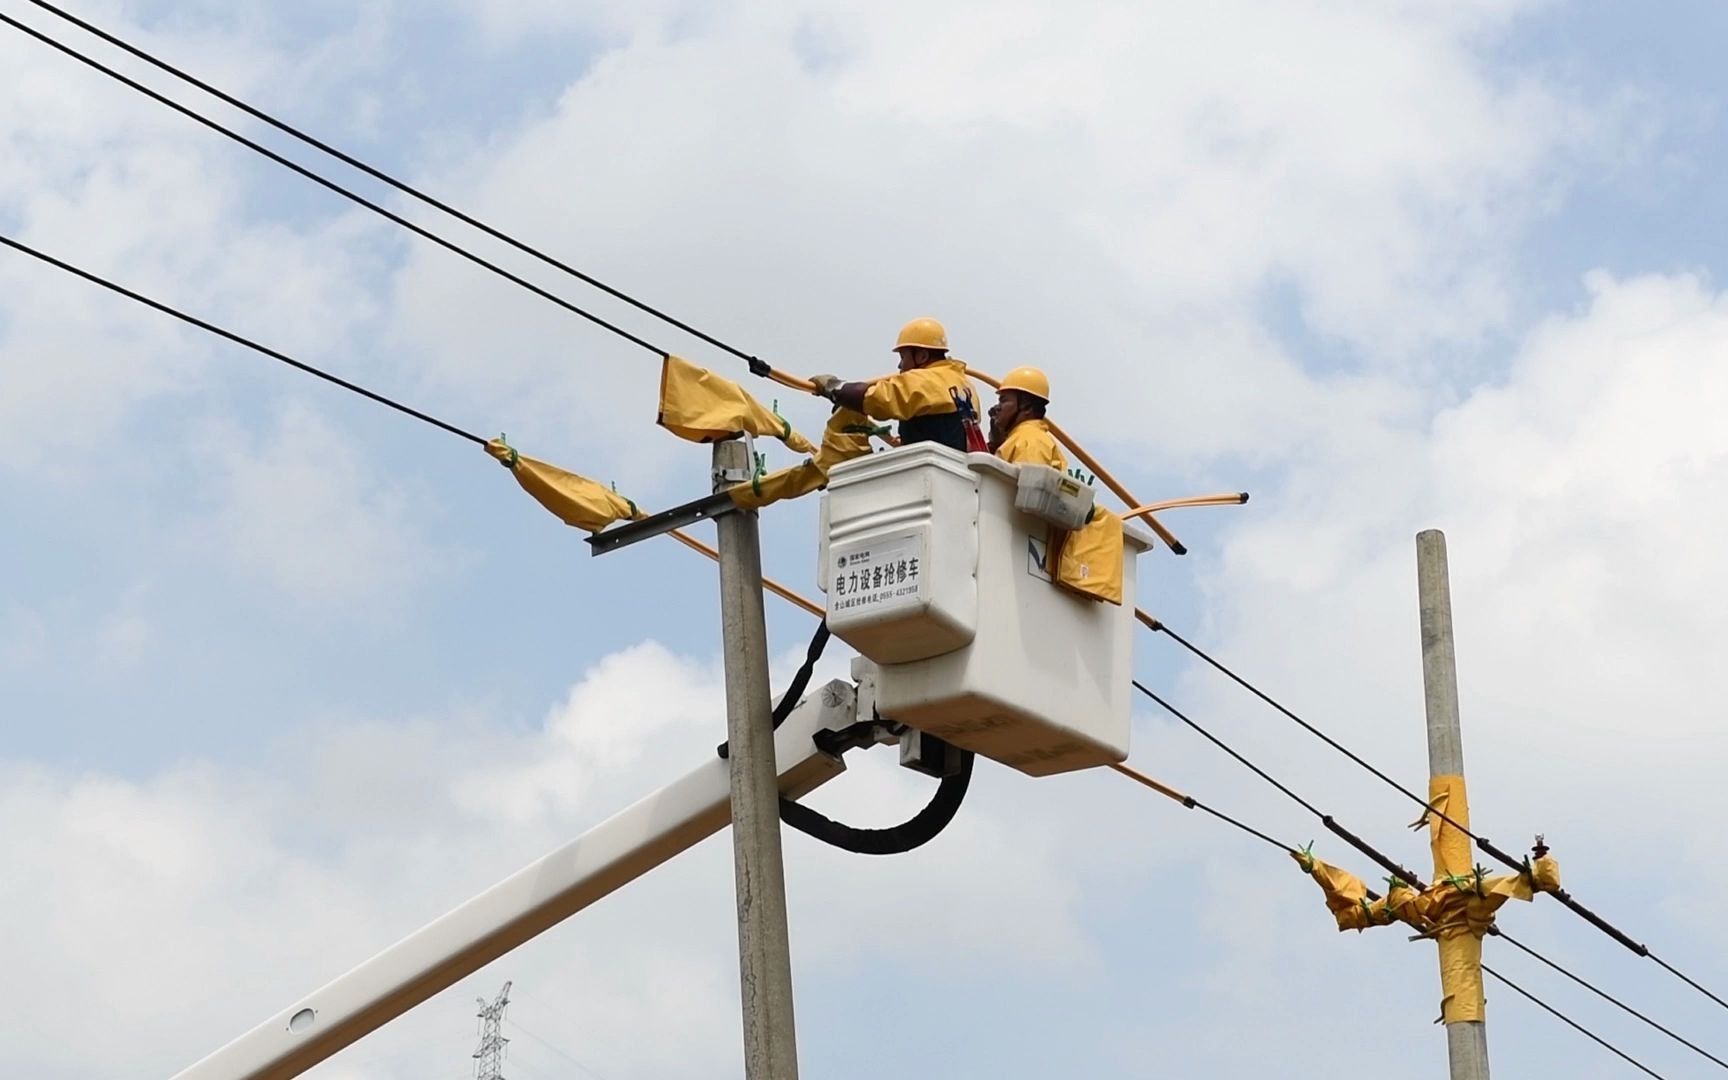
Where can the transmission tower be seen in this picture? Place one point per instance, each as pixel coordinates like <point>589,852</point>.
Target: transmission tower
<point>489,1058</point>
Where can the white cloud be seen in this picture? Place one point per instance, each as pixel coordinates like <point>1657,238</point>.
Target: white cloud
<point>145,895</point>
<point>1111,191</point>
<point>94,174</point>
<point>1580,496</point>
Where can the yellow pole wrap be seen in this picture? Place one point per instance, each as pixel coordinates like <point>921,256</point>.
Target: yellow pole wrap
<point>1460,950</point>
<point>1451,847</point>
<point>1460,975</point>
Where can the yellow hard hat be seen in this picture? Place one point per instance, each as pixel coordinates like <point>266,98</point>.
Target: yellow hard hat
<point>924,333</point>
<point>1027,380</point>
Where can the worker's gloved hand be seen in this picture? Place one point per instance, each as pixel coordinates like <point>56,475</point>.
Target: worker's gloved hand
<point>826,385</point>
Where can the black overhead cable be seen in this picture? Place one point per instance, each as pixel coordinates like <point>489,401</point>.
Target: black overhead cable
<point>1195,804</point>
<point>1326,819</point>
<point>238,340</point>
<point>1605,996</point>
<point>757,366</point>
<point>1191,803</point>
<point>360,200</point>
<point>1565,898</point>
<point>1574,1025</point>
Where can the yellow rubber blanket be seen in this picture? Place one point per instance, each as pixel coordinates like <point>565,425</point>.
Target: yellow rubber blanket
<point>847,436</point>
<point>698,405</point>
<point>1457,910</point>
<point>576,500</point>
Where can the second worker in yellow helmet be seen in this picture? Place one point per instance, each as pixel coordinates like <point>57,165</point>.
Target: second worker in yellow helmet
<point>1019,434</point>
<point>930,395</point>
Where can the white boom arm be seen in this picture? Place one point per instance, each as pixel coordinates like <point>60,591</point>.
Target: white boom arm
<point>534,899</point>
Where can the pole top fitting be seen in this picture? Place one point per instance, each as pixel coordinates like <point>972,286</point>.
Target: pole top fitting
<point>1541,848</point>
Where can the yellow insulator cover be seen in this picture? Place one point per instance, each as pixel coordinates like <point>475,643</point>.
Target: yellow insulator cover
<point>1545,874</point>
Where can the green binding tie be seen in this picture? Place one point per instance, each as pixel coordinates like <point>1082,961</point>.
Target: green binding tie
<point>514,456</point>
<point>628,501</point>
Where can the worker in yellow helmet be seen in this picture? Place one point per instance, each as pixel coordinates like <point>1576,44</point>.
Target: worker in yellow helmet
<point>930,395</point>
<point>1019,434</point>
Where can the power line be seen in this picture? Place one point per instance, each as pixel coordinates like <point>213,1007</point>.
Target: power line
<point>757,366</point>
<point>1331,824</point>
<point>768,584</point>
<point>358,199</point>
<point>1605,996</point>
<point>1517,864</point>
<point>1574,1025</point>
<point>239,340</point>
<point>1192,803</point>
<point>1386,863</point>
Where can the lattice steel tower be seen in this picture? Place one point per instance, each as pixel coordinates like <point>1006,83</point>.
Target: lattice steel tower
<point>489,1058</point>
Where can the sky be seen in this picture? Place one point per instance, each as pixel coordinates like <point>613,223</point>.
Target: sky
<point>284,675</point>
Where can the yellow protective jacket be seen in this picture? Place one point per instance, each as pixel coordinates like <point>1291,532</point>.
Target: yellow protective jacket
<point>922,400</point>
<point>1030,443</point>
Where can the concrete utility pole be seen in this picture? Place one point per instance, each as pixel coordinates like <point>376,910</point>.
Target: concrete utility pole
<point>764,951</point>
<point>1466,1039</point>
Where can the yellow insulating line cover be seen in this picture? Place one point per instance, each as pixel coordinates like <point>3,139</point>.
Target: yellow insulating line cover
<point>1223,498</point>
<point>1141,778</point>
<point>792,381</point>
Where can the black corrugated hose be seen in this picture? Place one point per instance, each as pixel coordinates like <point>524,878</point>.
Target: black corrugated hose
<point>919,830</point>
